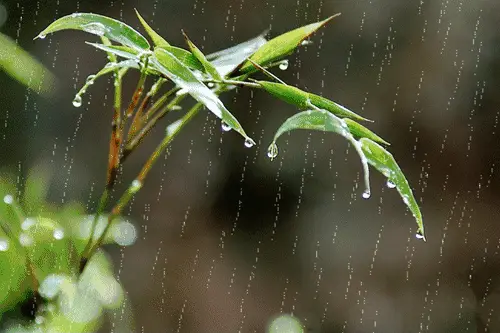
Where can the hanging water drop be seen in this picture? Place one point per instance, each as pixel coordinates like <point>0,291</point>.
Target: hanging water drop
<point>8,199</point>
<point>284,65</point>
<point>390,184</point>
<point>225,127</point>
<point>77,102</point>
<point>272,151</point>
<point>249,143</point>
<point>90,80</point>
<point>306,42</point>
<point>366,194</point>
<point>42,36</point>
<point>420,235</point>
<point>211,84</point>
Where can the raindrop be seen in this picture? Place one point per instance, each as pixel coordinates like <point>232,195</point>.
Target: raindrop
<point>58,234</point>
<point>272,151</point>
<point>284,65</point>
<point>77,102</point>
<point>306,42</point>
<point>390,184</point>
<point>4,245</point>
<point>42,36</point>
<point>249,143</point>
<point>136,185</point>
<point>90,79</point>
<point>211,84</point>
<point>8,199</point>
<point>25,240</point>
<point>225,127</point>
<point>419,235</point>
<point>366,194</point>
<point>27,223</point>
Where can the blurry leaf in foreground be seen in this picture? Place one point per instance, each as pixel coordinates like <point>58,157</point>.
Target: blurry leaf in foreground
<point>101,26</point>
<point>384,162</point>
<point>283,45</point>
<point>24,68</point>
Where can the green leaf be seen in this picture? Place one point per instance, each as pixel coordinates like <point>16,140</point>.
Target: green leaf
<point>209,68</point>
<point>283,45</point>
<point>171,67</point>
<point>101,26</point>
<point>303,99</point>
<point>384,162</point>
<point>158,40</point>
<point>360,131</point>
<point>227,60</point>
<point>321,120</point>
<point>186,57</point>
<point>36,189</point>
<point>119,50</point>
<point>24,68</point>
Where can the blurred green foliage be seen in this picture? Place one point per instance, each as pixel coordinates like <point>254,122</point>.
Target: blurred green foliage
<point>40,247</point>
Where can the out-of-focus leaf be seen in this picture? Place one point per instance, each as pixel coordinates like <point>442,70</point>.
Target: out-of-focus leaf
<point>176,71</point>
<point>101,26</point>
<point>303,99</point>
<point>209,68</point>
<point>37,186</point>
<point>321,120</point>
<point>158,40</point>
<point>24,68</point>
<point>281,46</point>
<point>360,131</point>
<point>227,60</point>
<point>384,162</point>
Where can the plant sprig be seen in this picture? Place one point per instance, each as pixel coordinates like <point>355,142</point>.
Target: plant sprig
<point>204,78</point>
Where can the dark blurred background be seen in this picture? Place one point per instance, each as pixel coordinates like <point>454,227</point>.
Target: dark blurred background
<point>228,239</point>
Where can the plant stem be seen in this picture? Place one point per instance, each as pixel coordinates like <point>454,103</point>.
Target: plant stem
<point>136,185</point>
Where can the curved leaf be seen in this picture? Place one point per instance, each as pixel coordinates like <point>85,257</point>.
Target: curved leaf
<point>360,131</point>
<point>119,50</point>
<point>303,99</point>
<point>101,26</point>
<point>322,120</point>
<point>186,57</point>
<point>384,162</point>
<point>155,37</point>
<point>171,67</point>
<point>281,46</point>
<point>209,68</point>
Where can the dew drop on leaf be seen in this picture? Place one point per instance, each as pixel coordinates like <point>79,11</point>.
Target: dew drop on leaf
<point>272,151</point>
<point>42,36</point>
<point>249,143</point>
<point>419,235</point>
<point>77,102</point>
<point>390,184</point>
<point>225,127</point>
<point>58,234</point>
<point>90,79</point>
<point>366,195</point>
<point>210,84</point>
<point>95,28</point>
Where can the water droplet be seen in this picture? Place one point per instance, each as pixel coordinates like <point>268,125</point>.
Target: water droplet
<point>8,199</point>
<point>249,143</point>
<point>27,223</point>
<point>77,102</point>
<point>211,84</point>
<point>90,79</point>
<point>284,65</point>
<point>390,184</point>
<point>124,234</point>
<point>58,234</point>
<point>42,36</point>
<point>25,239</point>
<point>420,235</point>
<point>306,42</point>
<point>366,194</point>
<point>272,151</point>
<point>136,185</point>
<point>225,127</point>
<point>4,245</point>
<point>95,28</point>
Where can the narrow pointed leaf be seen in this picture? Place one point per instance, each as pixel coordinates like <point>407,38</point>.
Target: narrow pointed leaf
<point>227,60</point>
<point>175,70</point>
<point>119,50</point>
<point>158,40</point>
<point>101,26</point>
<point>303,99</point>
<point>283,45</point>
<point>209,68</point>
<point>384,162</point>
<point>186,57</point>
<point>322,120</point>
<point>360,131</point>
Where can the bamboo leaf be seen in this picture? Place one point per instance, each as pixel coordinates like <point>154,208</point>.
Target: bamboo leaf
<point>119,50</point>
<point>186,57</point>
<point>303,99</point>
<point>101,26</point>
<point>175,70</point>
<point>209,68</point>
<point>158,40</point>
<point>321,120</point>
<point>360,131</point>
<point>384,162</point>
<point>283,45</point>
